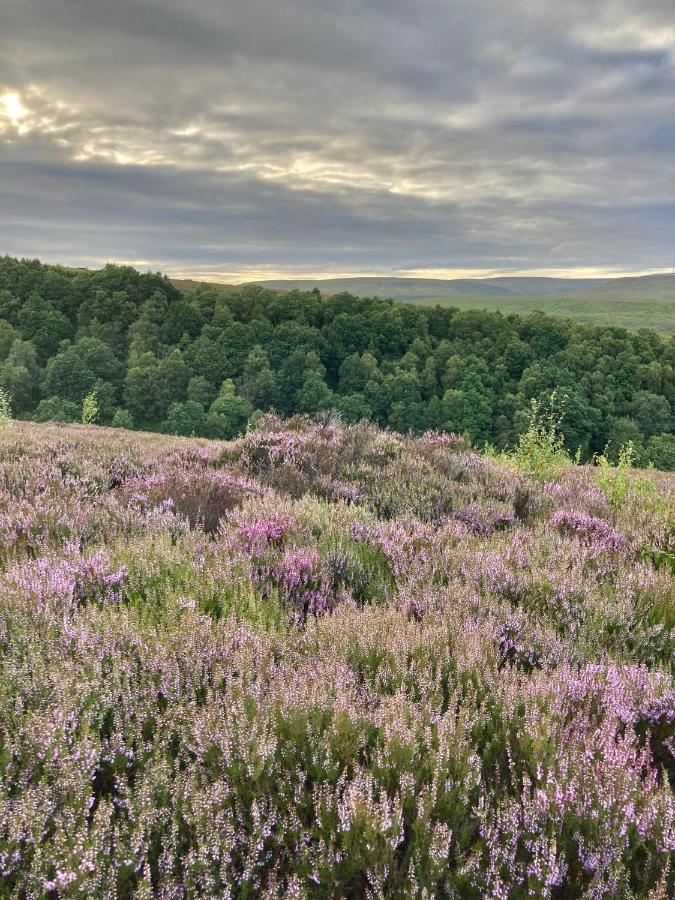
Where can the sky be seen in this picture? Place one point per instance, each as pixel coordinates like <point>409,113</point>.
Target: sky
<point>236,140</point>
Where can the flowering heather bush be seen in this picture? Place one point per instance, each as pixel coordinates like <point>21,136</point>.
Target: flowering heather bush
<point>590,528</point>
<point>325,661</point>
<point>203,497</point>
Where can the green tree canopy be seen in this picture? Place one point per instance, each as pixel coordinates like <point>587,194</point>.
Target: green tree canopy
<point>228,414</point>
<point>144,346</point>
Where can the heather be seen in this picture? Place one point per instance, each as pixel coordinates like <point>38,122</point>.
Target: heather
<point>325,660</point>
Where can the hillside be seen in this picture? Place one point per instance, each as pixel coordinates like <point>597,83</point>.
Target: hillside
<point>208,362</point>
<point>322,661</point>
<point>646,301</point>
<point>190,285</point>
<point>420,288</point>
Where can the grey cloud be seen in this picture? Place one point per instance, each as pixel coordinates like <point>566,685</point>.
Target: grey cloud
<point>365,134</point>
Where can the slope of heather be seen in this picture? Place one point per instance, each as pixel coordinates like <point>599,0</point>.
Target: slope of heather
<point>325,661</point>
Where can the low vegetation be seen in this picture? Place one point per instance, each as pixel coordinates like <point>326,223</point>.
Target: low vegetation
<point>333,661</point>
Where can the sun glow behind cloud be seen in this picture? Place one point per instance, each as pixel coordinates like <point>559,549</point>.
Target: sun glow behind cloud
<point>13,113</point>
<point>259,273</point>
<point>271,142</point>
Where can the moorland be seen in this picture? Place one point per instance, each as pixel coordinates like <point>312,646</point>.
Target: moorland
<point>332,661</point>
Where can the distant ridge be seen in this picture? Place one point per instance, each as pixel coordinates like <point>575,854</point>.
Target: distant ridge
<point>639,301</point>
<point>502,285</point>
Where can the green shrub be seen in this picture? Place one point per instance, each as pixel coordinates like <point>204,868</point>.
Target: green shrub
<point>5,409</point>
<point>122,419</point>
<point>540,451</point>
<point>54,409</point>
<point>616,482</point>
<point>660,452</point>
<point>89,409</point>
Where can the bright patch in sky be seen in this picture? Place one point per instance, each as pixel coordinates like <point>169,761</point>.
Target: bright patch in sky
<point>298,137</point>
<point>13,111</point>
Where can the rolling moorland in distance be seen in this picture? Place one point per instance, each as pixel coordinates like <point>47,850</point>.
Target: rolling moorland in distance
<point>643,301</point>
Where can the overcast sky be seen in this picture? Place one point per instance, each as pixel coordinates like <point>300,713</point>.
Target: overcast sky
<point>241,138</point>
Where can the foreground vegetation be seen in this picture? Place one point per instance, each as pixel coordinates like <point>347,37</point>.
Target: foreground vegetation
<point>326,661</point>
<point>207,362</point>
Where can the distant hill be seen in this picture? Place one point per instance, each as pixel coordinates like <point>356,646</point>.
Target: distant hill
<point>189,285</point>
<point>396,288</point>
<point>645,301</point>
<point>416,288</point>
<point>524,286</point>
<point>433,288</point>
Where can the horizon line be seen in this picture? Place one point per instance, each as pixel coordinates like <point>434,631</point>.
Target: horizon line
<point>267,273</point>
<point>238,278</point>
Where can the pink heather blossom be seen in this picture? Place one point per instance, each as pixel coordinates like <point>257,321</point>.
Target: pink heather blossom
<point>329,661</point>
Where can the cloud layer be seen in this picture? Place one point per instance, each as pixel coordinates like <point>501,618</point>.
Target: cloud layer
<point>308,136</point>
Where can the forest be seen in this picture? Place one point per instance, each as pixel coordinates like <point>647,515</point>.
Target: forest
<point>208,362</point>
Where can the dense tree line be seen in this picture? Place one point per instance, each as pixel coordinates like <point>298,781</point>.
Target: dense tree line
<point>206,361</point>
